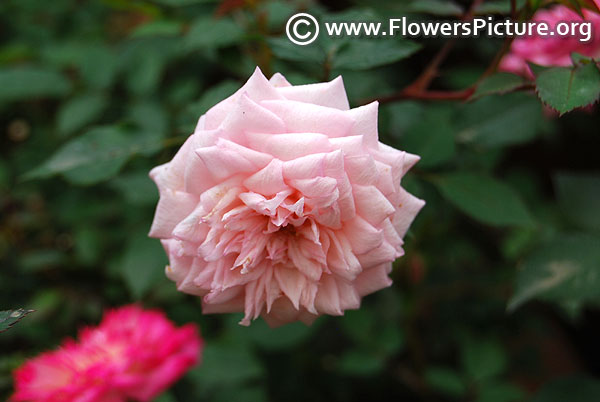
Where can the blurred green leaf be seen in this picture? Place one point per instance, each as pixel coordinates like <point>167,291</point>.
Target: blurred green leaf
<point>401,116</point>
<point>579,197</point>
<point>88,245</point>
<point>432,137</point>
<point>284,49</point>
<point>143,264</point>
<point>445,381</point>
<point>208,32</point>
<point>379,336</point>
<point>499,83</point>
<point>8,318</point>
<point>98,65</point>
<point>484,199</point>
<point>28,83</point>
<point>360,363</point>
<point>351,56</point>
<point>490,121</point>
<point>226,364</point>
<point>40,259</point>
<point>94,156</point>
<point>564,269</point>
<point>80,111</point>
<point>434,7</point>
<point>145,70</point>
<point>182,3</point>
<point>497,7</point>
<point>137,188</point>
<point>483,359</point>
<point>572,389</point>
<point>278,13</point>
<point>152,121</point>
<point>281,338</point>
<point>149,116</point>
<point>499,392</point>
<point>158,28</point>
<point>358,325</point>
<point>165,397</point>
<point>567,88</point>
<point>246,393</point>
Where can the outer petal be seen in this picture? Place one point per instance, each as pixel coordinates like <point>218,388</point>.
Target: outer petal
<point>330,94</point>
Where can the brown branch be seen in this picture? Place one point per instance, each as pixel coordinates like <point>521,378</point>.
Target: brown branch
<point>418,88</point>
<point>513,9</point>
<point>431,71</point>
<point>409,93</point>
<point>493,66</point>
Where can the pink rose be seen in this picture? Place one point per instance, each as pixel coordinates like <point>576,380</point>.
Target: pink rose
<point>552,50</point>
<point>133,354</point>
<point>283,203</point>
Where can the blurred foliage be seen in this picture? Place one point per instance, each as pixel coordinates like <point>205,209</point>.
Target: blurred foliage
<point>93,93</point>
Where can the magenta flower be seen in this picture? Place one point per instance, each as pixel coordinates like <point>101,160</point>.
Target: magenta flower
<point>552,50</point>
<point>133,354</point>
<point>284,204</point>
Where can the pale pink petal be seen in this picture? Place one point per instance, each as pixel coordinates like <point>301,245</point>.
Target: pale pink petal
<point>330,94</point>
<point>289,146</point>
<point>267,181</point>
<point>302,117</point>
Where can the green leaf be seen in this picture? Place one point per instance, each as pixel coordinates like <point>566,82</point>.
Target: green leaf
<point>10,317</point>
<point>143,264</point>
<point>434,7</point>
<point>29,83</point>
<point>562,270</point>
<point>483,359</point>
<point>146,70</point>
<point>445,381</point>
<point>499,83</point>
<point>360,363</point>
<point>245,393</point>
<point>165,397</point>
<point>98,65</point>
<point>378,336</point>
<point>571,389</point>
<point>225,364</point>
<point>567,88</point>
<point>351,56</point>
<point>499,392</point>
<point>579,197</point>
<point>284,49</point>
<point>137,188</point>
<point>490,121</point>
<point>40,259</point>
<point>497,7</point>
<point>152,121</point>
<point>281,338</point>
<point>358,325</point>
<point>80,111</point>
<point>484,199</point>
<point>183,3</point>
<point>207,32</point>
<point>158,28</point>
<point>94,156</point>
<point>432,137</point>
